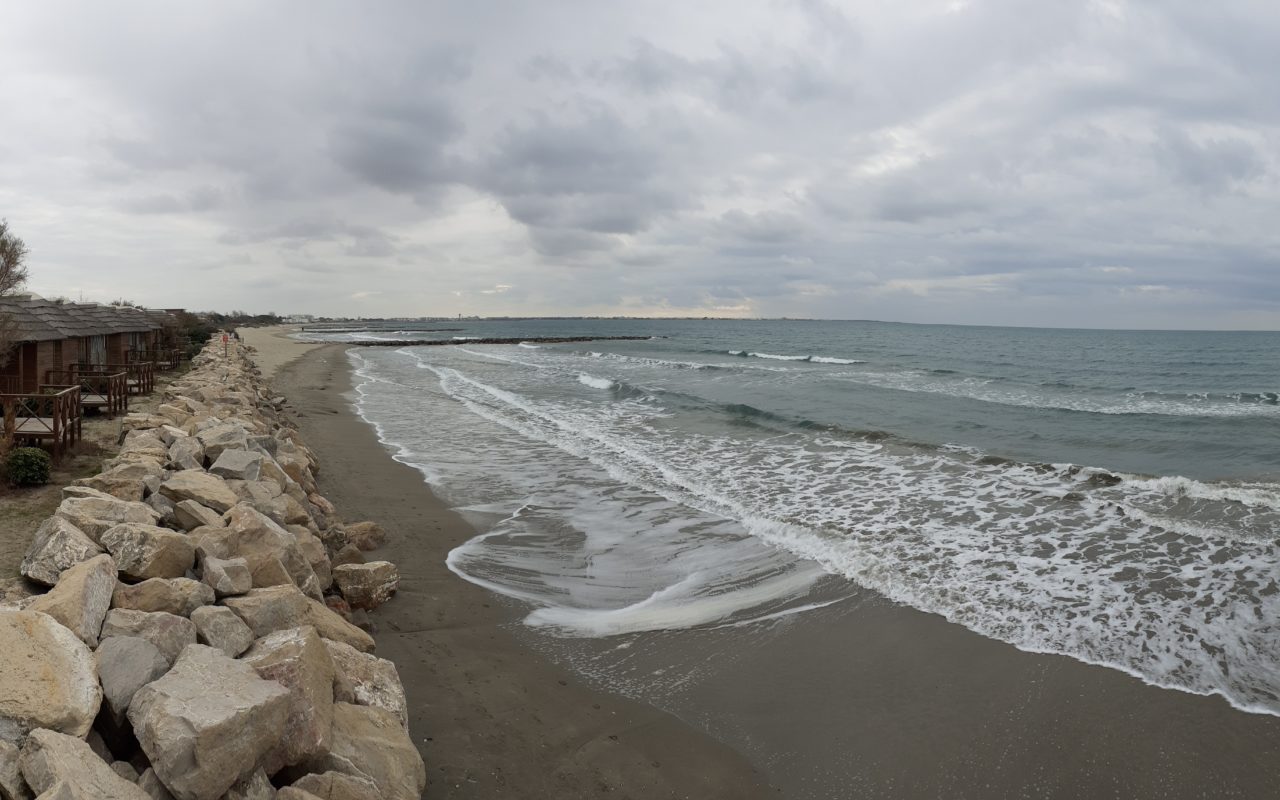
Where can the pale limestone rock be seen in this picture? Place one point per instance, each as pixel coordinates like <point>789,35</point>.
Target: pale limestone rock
<point>255,787</point>
<point>47,677</point>
<point>226,576</point>
<point>125,770</point>
<point>260,539</point>
<point>270,609</point>
<point>349,554</point>
<point>332,626</point>
<point>150,783</point>
<point>95,515</point>
<point>294,793</point>
<point>124,481</point>
<point>367,585</point>
<point>226,436</point>
<point>180,596</point>
<point>82,597</point>
<point>297,659</point>
<point>185,454</point>
<point>313,551</point>
<point>338,786</point>
<point>191,515</point>
<point>219,627</point>
<point>168,632</point>
<point>12,784</point>
<point>369,742</point>
<point>49,758</point>
<point>374,681</point>
<point>365,535</point>
<point>207,723</point>
<point>147,551</point>
<point>125,665</point>
<point>198,485</point>
<point>242,465</point>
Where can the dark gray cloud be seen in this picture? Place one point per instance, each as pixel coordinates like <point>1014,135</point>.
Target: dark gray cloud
<point>1107,162</point>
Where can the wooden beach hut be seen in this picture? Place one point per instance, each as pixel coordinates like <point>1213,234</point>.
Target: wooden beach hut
<point>35,412</point>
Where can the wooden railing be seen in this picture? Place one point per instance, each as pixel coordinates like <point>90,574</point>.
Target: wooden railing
<point>51,415</point>
<point>141,374</point>
<point>102,389</point>
<point>164,358</point>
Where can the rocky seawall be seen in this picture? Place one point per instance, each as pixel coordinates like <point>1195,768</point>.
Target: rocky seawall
<point>199,637</point>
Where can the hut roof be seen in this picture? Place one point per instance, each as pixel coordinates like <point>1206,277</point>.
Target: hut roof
<point>39,320</point>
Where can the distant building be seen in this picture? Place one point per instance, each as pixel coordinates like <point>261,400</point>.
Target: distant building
<point>299,319</point>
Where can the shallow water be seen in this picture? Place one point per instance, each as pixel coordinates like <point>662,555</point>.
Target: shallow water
<point>1106,495</point>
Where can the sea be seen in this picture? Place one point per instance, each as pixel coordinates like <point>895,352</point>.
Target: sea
<point>1105,495</point>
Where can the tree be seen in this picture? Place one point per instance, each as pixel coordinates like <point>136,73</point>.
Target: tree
<point>13,273</point>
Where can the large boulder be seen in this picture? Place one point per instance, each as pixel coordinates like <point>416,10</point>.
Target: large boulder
<point>270,609</point>
<point>95,515</point>
<point>207,490</point>
<point>148,551</point>
<point>368,585</point>
<point>338,786</point>
<point>255,787</point>
<point>242,465</point>
<point>82,597</point>
<point>294,793</point>
<point>125,665</point>
<point>372,681</point>
<point>365,535</point>
<point>370,743</point>
<point>208,722</point>
<point>12,784</point>
<point>329,624</point>
<point>219,627</point>
<point>226,436</point>
<point>260,541</point>
<point>126,481</point>
<point>297,659</point>
<point>179,596</point>
<point>168,632</point>
<point>150,783</point>
<point>186,454</point>
<point>57,545</point>
<point>191,515</point>
<point>47,677</point>
<point>226,576</point>
<point>50,758</point>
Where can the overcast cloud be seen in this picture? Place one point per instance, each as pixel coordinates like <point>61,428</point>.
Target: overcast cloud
<point>1079,163</point>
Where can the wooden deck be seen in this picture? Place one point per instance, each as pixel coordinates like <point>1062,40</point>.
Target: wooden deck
<point>49,417</point>
<point>140,375</point>
<point>104,390</point>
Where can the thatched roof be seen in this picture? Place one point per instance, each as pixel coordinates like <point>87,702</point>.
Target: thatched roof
<point>39,320</point>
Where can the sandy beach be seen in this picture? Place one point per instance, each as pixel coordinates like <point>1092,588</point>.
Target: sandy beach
<point>493,719</point>
<point>865,698</point>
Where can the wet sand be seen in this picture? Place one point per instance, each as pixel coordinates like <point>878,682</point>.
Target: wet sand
<point>492,718</point>
<point>864,698</point>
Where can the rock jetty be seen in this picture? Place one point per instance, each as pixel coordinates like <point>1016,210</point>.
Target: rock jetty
<point>197,641</point>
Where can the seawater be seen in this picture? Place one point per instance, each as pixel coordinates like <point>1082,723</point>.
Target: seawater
<point>1112,496</point>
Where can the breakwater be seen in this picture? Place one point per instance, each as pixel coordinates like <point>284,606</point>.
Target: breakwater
<point>199,637</point>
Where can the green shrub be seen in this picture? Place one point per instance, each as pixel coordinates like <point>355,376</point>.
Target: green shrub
<point>28,466</point>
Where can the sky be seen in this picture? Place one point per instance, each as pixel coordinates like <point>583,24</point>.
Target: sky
<point>1087,163</point>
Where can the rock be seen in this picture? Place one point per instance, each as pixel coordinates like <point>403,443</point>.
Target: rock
<point>150,783</point>
<point>168,632</point>
<point>350,554</point>
<point>125,665</point>
<point>332,626</point>
<point>180,596</point>
<point>125,770</point>
<point>313,551</point>
<point>186,454</point>
<point>170,434</point>
<point>338,786</point>
<point>207,490</point>
<point>374,681</point>
<point>337,605</point>
<point>260,539</point>
<point>125,481</point>
<point>57,545</point>
<point>294,793</point>
<point>366,535</point>
<point>49,758</point>
<point>218,438</point>
<point>162,505</point>
<point>147,551</point>
<point>255,787</point>
<point>219,627</point>
<point>216,542</point>
<point>12,784</point>
<point>175,415</point>
<point>370,743</point>
<point>47,677</point>
<point>82,597</point>
<point>207,723</point>
<point>226,576</point>
<point>191,515</point>
<point>95,515</point>
<point>241,465</point>
<point>297,659</point>
<point>270,609</point>
<point>368,585</point>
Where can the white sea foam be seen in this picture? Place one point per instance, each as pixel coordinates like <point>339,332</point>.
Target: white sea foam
<point>831,360</point>
<point>529,346</point>
<point>594,382</point>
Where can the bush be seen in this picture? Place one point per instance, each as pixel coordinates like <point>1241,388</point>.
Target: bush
<point>28,466</point>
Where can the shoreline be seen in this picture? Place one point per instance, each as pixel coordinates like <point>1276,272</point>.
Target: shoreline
<point>492,717</point>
